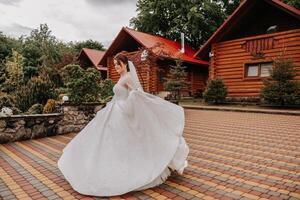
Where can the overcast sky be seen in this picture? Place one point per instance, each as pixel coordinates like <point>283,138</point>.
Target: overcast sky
<point>69,20</point>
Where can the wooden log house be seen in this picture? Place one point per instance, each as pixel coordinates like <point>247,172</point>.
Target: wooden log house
<point>242,49</point>
<point>153,56</point>
<point>91,58</point>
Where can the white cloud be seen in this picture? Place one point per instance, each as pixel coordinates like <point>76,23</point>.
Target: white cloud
<point>69,20</point>
<point>10,2</point>
<point>15,30</point>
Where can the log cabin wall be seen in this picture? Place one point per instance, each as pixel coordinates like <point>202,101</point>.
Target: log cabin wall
<point>146,71</point>
<point>151,73</point>
<point>231,57</point>
<point>196,77</point>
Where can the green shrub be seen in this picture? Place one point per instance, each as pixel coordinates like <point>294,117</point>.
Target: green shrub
<point>50,106</point>
<point>35,109</point>
<point>71,72</point>
<point>216,91</point>
<point>6,100</point>
<point>281,89</point>
<point>177,80</point>
<point>29,72</point>
<point>106,89</point>
<point>83,85</point>
<point>14,75</point>
<point>53,75</point>
<point>37,90</point>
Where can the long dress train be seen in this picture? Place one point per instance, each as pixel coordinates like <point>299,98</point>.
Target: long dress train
<point>131,144</point>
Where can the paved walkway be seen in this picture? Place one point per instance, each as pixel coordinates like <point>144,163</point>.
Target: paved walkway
<point>243,109</point>
<point>232,156</point>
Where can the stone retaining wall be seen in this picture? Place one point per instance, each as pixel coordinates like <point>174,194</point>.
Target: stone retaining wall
<point>71,118</point>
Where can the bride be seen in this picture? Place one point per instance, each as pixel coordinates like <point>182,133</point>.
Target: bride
<point>132,144</point>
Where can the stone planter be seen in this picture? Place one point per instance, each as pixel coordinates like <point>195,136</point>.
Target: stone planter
<point>76,116</point>
<point>23,127</point>
<point>71,118</point>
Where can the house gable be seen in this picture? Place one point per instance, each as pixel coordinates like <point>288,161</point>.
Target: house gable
<point>253,17</point>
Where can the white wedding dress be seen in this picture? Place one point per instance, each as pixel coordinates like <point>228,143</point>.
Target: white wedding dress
<point>131,144</point>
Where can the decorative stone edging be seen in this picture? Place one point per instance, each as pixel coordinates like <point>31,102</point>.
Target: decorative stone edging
<point>71,118</point>
<point>23,127</point>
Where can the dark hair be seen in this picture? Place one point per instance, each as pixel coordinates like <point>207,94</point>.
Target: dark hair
<point>121,57</point>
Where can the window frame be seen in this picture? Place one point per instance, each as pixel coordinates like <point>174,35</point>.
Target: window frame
<point>258,77</point>
<point>261,68</point>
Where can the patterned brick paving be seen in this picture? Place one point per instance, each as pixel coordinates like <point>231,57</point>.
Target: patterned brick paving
<point>232,156</point>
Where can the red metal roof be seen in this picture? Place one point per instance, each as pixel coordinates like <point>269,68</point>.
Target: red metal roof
<point>235,16</point>
<point>94,55</point>
<point>159,45</point>
<point>168,47</point>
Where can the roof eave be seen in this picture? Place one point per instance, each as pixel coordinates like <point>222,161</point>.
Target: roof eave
<point>202,63</point>
<point>206,47</point>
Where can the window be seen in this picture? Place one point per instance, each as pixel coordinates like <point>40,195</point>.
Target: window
<point>266,69</point>
<point>252,70</point>
<point>258,70</point>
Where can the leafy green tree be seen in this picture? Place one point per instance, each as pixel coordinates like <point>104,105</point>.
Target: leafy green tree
<point>216,91</point>
<point>2,74</point>
<point>68,55</point>
<point>196,19</point>
<point>82,85</point>
<point>230,6</point>
<point>295,3</point>
<point>282,89</point>
<point>14,72</point>
<point>71,72</point>
<point>40,48</point>
<point>53,75</point>
<point>177,80</point>
<point>29,72</point>
<point>6,46</point>
<point>90,44</point>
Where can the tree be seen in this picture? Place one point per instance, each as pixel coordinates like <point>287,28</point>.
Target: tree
<point>37,90</point>
<point>177,80</point>
<point>82,85</point>
<point>294,3</point>
<point>282,89</point>
<point>40,48</point>
<point>230,6</point>
<point>196,19</point>
<point>14,72</point>
<point>90,44</point>
<point>216,91</point>
<point>2,73</point>
<point>68,55</point>
<point>6,46</point>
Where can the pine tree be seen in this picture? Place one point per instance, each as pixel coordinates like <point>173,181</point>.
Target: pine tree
<point>177,80</point>
<point>282,89</point>
<point>216,91</point>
